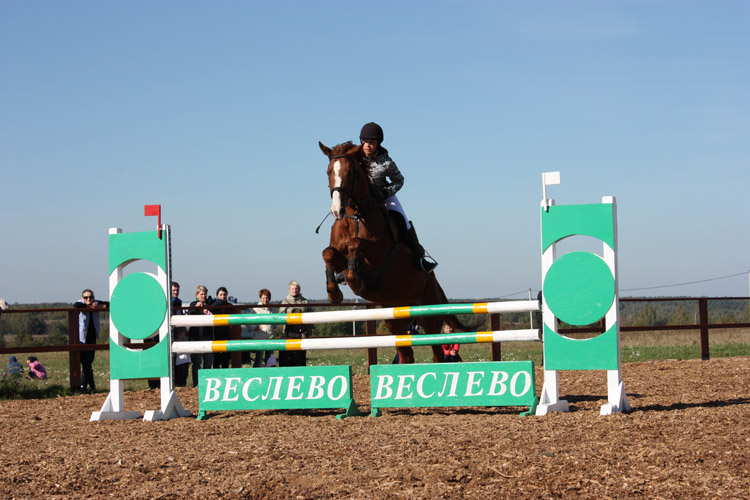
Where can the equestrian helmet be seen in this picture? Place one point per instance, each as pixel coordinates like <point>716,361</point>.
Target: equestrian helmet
<point>371,131</point>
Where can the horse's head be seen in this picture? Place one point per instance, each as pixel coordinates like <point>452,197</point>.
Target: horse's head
<point>343,173</point>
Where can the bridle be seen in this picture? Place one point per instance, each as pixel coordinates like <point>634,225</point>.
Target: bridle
<point>349,191</point>
<point>353,178</point>
<point>358,205</point>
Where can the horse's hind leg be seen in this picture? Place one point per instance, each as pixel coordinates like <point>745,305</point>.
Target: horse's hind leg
<point>433,324</point>
<point>335,262</point>
<point>400,327</point>
<point>437,354</point>
<point>405,355</point>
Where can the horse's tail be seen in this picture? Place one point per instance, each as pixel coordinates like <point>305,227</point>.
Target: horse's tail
<point>451,320</point>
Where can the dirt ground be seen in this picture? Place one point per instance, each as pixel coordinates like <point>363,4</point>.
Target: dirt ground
<point>687,437</point>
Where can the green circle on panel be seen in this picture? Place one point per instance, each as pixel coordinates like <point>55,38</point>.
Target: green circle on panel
<point>138,306</point>
<point>579,288</point>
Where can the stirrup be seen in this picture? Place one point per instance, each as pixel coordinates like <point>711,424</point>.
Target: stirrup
<point>340,277</point>
<point>427,264</point>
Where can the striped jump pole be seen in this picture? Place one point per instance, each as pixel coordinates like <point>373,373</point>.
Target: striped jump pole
<point>196,347</point>
<point>312,318</point>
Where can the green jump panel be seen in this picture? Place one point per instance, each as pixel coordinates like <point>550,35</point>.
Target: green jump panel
<point>597,353</point>
<point>292,388</point>
<point>500,383</point>
<point>562,221</point>
<point>146,245</point>
<point>131,364</point>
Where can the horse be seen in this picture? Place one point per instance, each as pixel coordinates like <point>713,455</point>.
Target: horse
<point>365,251</point>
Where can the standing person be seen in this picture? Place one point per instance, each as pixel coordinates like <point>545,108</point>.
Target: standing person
<point>88,332</point>
<point>36,370</point>
<point>154,383</point>
<point>294,358</point>
<point>450,351</point>
<point>181,362</point>
<point>201,302</point>
<point>221,359</point>
<point>176,301</point>
<point>262,331</point>
<point>181,365</point>
<point>381,168</point>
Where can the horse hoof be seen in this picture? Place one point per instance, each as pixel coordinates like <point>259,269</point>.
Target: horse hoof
<point>335,297</point>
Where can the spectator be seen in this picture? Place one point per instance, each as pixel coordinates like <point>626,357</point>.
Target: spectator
<point>154,383</point>
<point>88,332</point>
<point>262,332</point>
<point>36,370</point>
<point>201,302</point>
<point>181,361</point>
<point>176,302</point>
<point>450,351</point>
<point>14,368</point>
<point>181,366</point>
<point>221,359</point>
<point>294,358</point>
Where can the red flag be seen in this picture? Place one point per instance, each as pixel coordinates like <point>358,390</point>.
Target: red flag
<point>152,210</point>
<point>149,210</point>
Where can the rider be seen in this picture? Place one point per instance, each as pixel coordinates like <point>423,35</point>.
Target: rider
<point>381,166</point>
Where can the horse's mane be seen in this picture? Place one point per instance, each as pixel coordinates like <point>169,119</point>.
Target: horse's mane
<point>341,149</point>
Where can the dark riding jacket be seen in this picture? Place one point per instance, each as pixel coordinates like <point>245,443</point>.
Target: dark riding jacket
<point>382,168</point>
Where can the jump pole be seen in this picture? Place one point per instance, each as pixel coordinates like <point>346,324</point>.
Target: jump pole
<point>311,318</point>
<point>195,347</point>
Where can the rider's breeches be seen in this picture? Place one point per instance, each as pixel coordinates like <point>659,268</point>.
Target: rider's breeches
<point>393,204</point>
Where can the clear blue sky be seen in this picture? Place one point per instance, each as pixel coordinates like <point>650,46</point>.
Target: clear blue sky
<point>214,110</point>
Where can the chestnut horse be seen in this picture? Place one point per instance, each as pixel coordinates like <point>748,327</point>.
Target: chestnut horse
<point>365,247</point>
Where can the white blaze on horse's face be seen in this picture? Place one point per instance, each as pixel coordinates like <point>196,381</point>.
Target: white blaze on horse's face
<point>337,208</point>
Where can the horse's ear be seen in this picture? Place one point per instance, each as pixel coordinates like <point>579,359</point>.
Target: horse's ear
<point>353,150</point>
<point>326,150</point>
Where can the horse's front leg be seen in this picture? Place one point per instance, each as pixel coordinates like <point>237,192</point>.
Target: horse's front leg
<point>353,277</point>
<point>335,262</point>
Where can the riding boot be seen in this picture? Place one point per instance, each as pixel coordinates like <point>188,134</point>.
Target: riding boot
<point>427,264</point>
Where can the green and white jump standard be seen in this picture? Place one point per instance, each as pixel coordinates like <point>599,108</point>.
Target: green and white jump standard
<point>139,308</point>
<point>580,288</point>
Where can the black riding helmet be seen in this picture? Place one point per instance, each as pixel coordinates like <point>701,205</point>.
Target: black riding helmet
<point>371,131</point>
